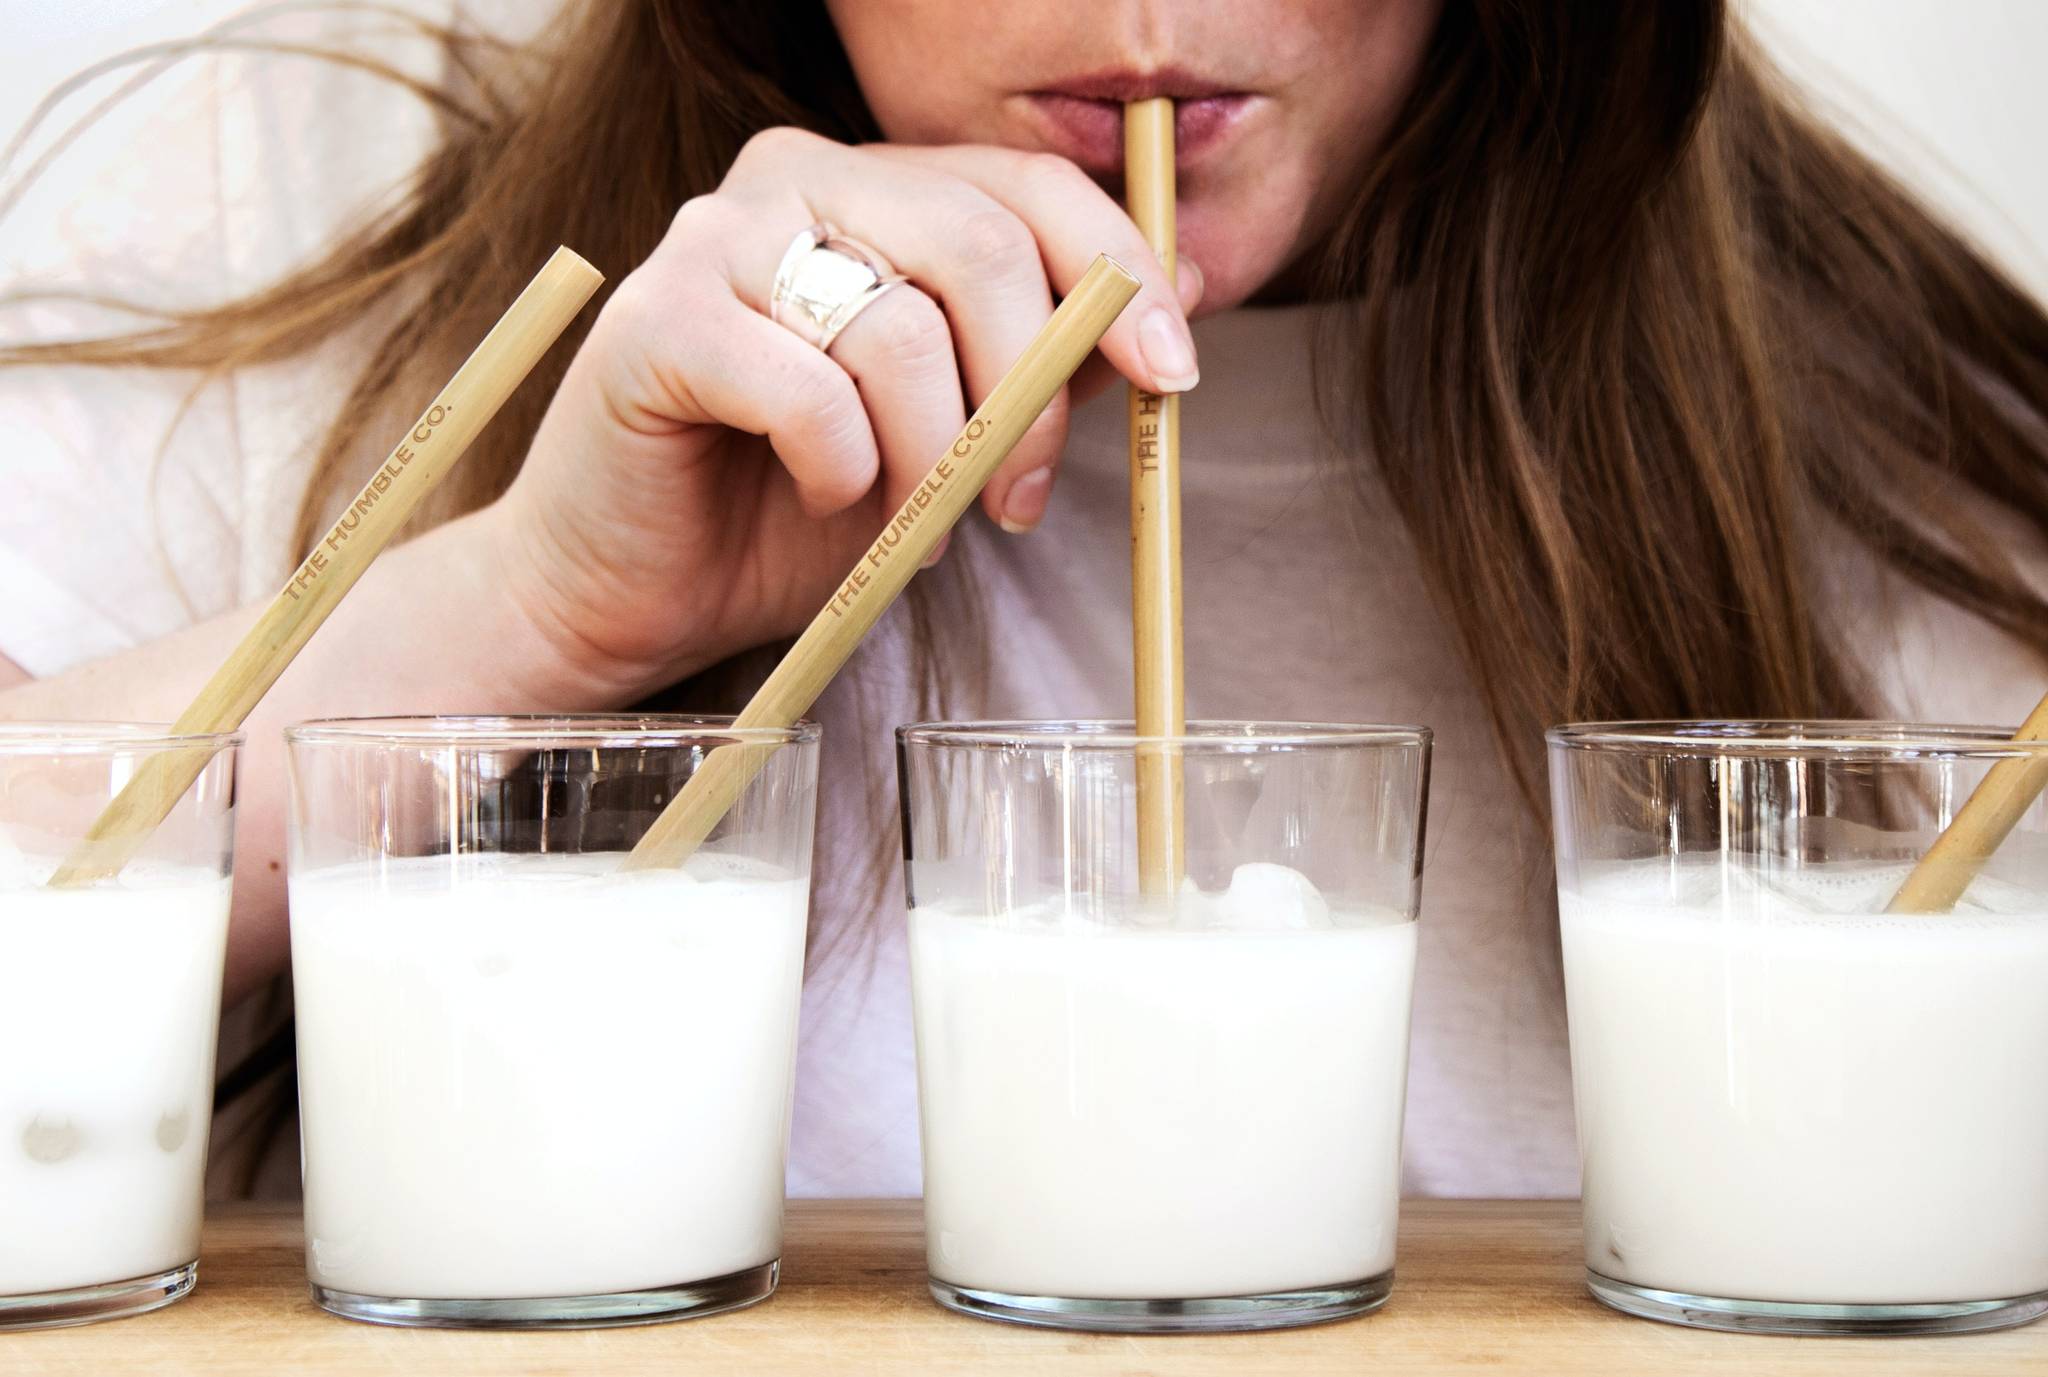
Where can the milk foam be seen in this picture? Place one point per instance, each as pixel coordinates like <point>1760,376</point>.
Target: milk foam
<point>1260,897</point>
<point>1808,893</point>
<point>109,1004</point>
<point>1786,1094</point>
<point>542,1076</point>
<point>1203,1101</point>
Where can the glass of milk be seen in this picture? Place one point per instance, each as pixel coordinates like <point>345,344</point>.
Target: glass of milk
<point>109,1004</point>
<point>1799,1112</point>
<point>536,1089</point>
<point>1162,1111</point>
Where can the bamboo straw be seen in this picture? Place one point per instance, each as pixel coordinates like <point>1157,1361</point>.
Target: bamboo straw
<point>2007,790</point>
<point>1155,528</point>
<point>420,461</point>
<point>883,572</point>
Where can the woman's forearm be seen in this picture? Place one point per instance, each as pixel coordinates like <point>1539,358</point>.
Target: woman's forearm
<point>427,630</point>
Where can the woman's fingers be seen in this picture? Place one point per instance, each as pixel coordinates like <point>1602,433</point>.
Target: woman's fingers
<point>987,236</point>
<point>1072,220</point>
<point>1069,220</point>
<point>899,352</point>
<point>977,227</point>
<point>711,360</point>
<point>969,254</point>
<point>990,234</point>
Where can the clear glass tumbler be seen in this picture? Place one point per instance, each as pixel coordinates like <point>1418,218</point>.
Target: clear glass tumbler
<point>1163,1112</point>
<point>109,1006</point>
<point>1799,1112</point>
<point>537,1089</point>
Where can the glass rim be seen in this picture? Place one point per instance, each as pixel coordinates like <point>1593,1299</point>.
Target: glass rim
<point>88,737</point>
<point>1792,737</point>
<point>498,731</point>
<point>1111,734</point>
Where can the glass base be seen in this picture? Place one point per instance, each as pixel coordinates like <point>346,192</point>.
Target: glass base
<point>1202,1315</point>
<point>111,1300</point>
<point>683,1301</point>
<point>1802,1317</point>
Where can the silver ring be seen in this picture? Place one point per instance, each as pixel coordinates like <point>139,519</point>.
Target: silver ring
<point>824,281</point>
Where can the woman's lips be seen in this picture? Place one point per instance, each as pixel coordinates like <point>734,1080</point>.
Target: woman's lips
<point>1089,128</point>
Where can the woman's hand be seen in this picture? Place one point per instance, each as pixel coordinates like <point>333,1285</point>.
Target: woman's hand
<point>704,476</point>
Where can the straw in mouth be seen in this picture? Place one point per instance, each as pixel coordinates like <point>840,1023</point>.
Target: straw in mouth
<point>1158,679</point>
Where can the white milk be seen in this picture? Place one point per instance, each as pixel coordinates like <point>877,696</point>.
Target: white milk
<point>1208,1105</point>
<point>551,1079</point>
<point>109,1004</point>
<point>1790,1096</point>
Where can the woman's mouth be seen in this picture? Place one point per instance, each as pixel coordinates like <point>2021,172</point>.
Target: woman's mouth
<point>1083,119</point>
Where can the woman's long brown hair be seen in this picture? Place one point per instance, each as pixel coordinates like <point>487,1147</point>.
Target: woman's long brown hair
<point>1634,342</point>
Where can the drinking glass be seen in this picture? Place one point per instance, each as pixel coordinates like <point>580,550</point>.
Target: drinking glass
<point>1799,1111</point>
<point>538,1088</point>
<point>1162,1111</point>
<point>109,1007</point>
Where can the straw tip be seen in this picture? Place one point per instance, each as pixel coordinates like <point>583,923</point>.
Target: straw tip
<point>1109,262</point>
<point>567,260</point>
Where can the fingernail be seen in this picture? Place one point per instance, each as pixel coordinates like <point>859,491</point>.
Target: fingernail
<point>938,551</point>
<point>1025,506</point>
<point>1169,352</point>
<point>1189,282</point>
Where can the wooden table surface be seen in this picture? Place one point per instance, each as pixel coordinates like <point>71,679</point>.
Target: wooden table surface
<point>1481,1286</point>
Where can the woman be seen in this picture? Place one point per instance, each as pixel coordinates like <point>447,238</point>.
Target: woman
<point>1632,394</point>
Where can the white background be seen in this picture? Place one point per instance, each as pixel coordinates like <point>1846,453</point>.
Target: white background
<point>1950,92</point>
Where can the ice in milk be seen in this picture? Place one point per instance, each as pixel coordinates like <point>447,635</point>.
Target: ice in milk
<point>533,1076</point>
<point>1200,1101</point>
<point>1784,1094</point>
<point>109,1002</point>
